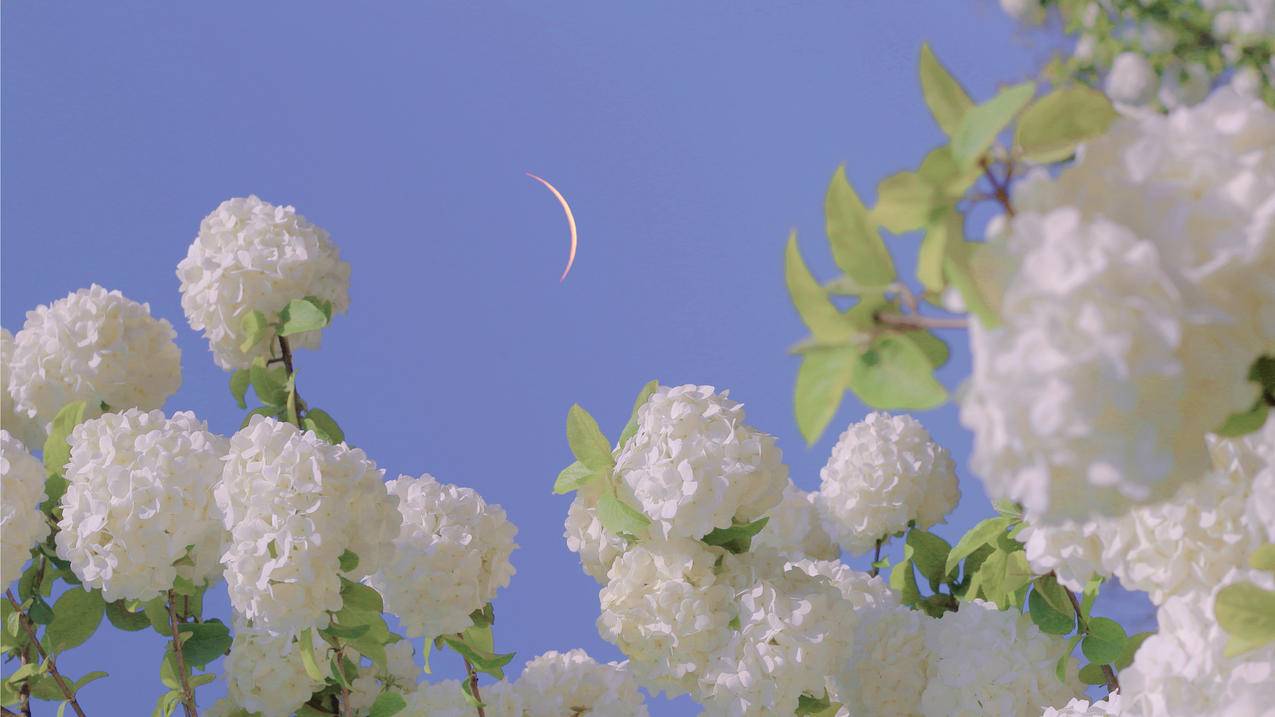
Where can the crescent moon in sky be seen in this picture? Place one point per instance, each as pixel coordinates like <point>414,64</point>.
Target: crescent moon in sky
<point>571,222</point>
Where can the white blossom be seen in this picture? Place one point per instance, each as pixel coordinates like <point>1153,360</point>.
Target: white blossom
<point>94,346</point>
<point>1071,550</point>
<point>447,699</point>
<point>887,669</point>
<point>585,535</point>
<point>559,684</point>
<point>793,528</point>
<point>667,610</point>
<point>251,255</point>
<point>265,674</point>
<point>1106,707</point>
<point>1182,669</point>
<point>449,559</point>
<point>17,423</point>
<point>694,465</point>
<point>1131,80</point>
<point>859,588</point>
<point>884,471</point>
<point>294,505</point>
<point>984,661</point>
<point>139,500</point>
<point>22,524</point>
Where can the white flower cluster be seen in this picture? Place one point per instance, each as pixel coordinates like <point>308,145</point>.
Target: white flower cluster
<point>572,683</point>
<point>1135,293</point>
<point>888,667</point>
<point>94,346</point>
<point>585,535</point>
<point>449,559</point>
<point>294,505</point>
<point>399,676</point>
<point>448,699</point>
<point>265,673</point>
<point>139,500</point>
<point>794,529</point>
<point>1183,668</point>
<point>17,423</point>
<point>884,472</point>
<point>985,661</point>
<point>250,256</point>
<point>1108,707</point>
<point>694,465</point>
<point>22,524</point>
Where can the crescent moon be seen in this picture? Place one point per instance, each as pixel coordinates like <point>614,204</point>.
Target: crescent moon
<point>571,223</point>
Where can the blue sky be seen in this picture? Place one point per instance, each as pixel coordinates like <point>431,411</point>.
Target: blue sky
<point>689,138</point>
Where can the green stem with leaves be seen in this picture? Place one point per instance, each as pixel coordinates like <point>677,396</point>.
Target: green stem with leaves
<point>473,687</point>
<point>48,660</point>
<point>183,675</point>
<point>1113,684</point>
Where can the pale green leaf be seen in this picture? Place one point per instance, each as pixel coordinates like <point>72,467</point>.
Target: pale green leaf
<point>856,245</point>
<point>945,97</point>
<point>587,441</point>
<point>301,315</point>
<point>573,477</point>
<point>76,615</point>
<point>985,532</point>
<point>822,378</point>
<point>981,125</point>
<point>904,202</point>
<point>811,300</point>
<point>630,428</point>
<point>1052,127</point>
<point>56,449</point>
<point>618,518</point>
<point>895,374</point>
<point>1246,613</point>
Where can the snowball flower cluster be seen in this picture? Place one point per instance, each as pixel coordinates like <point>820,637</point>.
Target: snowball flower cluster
<point>449,559</point>
<point>985,661</point>
<point>667,610</point>
<point>94,346</point>
<point>1182,669</point>
<point>585,535</point>
<point>251,255</point>
<point>139,494</point>
<point>17,423</point>
<point>572,683</point>
<point>447,699</point>
<point>793,528</point>
<point>1131,80</point>
<point>884,472</point>
<point>22,525</point>
<point>1108,707</point>
<point>294,505</point>
<point>887,670</point>
<point>265,674</point>
<point>694,465</point>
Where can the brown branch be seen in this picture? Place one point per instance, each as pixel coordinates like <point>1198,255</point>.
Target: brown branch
<point>473,686</point>
<point>917,321</point>
<point>1112,683</point>
<point>876,558</point>
<point>6,712</point>
<point>188,694</point>
<point>25,621</point>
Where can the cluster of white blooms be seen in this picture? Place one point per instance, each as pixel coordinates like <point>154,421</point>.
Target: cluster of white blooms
<point>139,500</point>
<point>253,256</point>
<point>884,472</point>
<point>573,683</point>
<point>887,670</point>
<point>294,505</point>
<point>399,676</point>
<point>1107,707</point>
<point>449,559</point>
<point>1183,669</point>
<point>585,535</point>
<point>448,699</point>
<point>987,661</point>
<point>22,524</point>
<point>17,423</point>
<point>1072,550</point>
<point>859,588</point>
<point>94,346</point>
<point>794,530</point>
<point>265,673</point>
<point>694,465</point>
<point>668,610</point>
<point>1134,296</point>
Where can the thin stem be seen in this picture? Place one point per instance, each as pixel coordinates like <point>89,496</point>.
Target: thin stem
<point>473,686</point>
<point>1112,683</point>
<point>286,350</point>
<point>876,558</point>
<point>1000,188</point>
<point>917,321</point>
<point>188,694</point>
<point>25,621</point>
<point>6,712</point>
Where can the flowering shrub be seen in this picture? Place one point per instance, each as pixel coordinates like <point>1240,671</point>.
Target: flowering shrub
<point>1121,311</point>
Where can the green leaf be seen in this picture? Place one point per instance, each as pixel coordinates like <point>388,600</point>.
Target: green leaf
<point>387,704</point>
<point>1246,613</point>
<point>895,374</point>
<point>904,202</point>
<point>269,382</point>
<point>935,349</point>
<point>1092,674</point>
<point>358,596</point>
<point>342,632</point>
<point>811,300</point>
<point>980,125</point>
<point>1052,127</point>
<point>942,172</point>
<point>1065,659</point>
<point>903,579</point>
<point>810,705</point>
<point>856,246</point>
<point>823,377</point>
<point>987,531</point>
<point>305,643</point>
<point>1263,558</point>
<point>618,518</point>
<point>958,268</point>
<point>738,537</point>
<point>56,449</point>
<point>929,552</point>
<point>323,425</point>
<point>348,561</point>
<point>631,428</point>
<point>76,615</point>
<point>932,256</point>
<point>1104,641</point>
<point>166,704</point>
<point>255,328</point>
<point>239,386</point>
<point>301,315</point>
<point>587,441</point>
<point>1131,649</point>
<point>573,477</point>
<point>208,641</point>
<point>168,673</point>
<point>1089,595</point>
<point>945,97</point>
<point>271,411</point>
<point>156,610</point>
<point>1245,422</point>
<point>483,659</point>
<point>1048,616</point>
<point>124,619</point>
